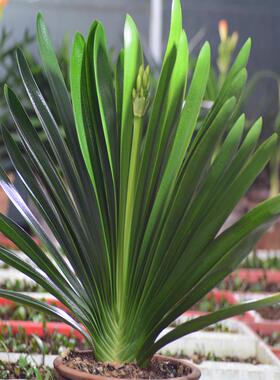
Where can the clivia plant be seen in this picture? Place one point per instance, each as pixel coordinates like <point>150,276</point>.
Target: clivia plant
<point>133,193</point>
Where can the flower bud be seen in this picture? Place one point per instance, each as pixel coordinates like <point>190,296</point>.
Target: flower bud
<point>141,92</point>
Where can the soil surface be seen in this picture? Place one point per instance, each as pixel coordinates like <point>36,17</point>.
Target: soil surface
<point>233,283</point>
<point>272,339</point>
<point>270,312</point>
<point>209,304</point>
<point>199,358</point>
<point>156,369</point>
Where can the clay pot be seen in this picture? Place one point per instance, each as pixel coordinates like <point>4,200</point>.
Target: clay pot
<point>65,373</point>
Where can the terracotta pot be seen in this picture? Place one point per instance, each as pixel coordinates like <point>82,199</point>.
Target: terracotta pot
<point>65,373</point>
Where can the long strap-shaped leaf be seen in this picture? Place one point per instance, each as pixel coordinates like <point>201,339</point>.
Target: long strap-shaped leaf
<point>47,170</point>
<point>44,307</point>
<point>62,99</point>
<point>163,260</point>
<point>103,133</point>
<point>204,321</point>
<point>182,135</point>
<point>193,219</point>
<point>40,277</point>
<point>106,95</point>
<point>163,118</point>
<point>189,181</point>
<point>58,87</point>
<point>132,60</point>
<point>19,203</point>
<point>56,141</point>
<point>182,272</point>
<point>224,254</point>
<point>87,126</point>
<point>207,231</point>
<point>234,82</point>
<point>61,199</point>
<point>26,244</point>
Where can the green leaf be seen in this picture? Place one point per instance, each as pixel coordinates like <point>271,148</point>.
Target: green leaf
<point>57,84</point>
<point>44,307</point>
<point>209,319</point>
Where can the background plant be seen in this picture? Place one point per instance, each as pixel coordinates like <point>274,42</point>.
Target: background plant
<point>133,192</point>
<point>226,52</point>
<point>25,368</point>
<point>10,74</point>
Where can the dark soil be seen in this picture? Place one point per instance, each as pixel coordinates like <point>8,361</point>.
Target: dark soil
<point>270,312</point>
<point>210,303</point>
<point>156,370</point>
<point>199,358</point>
<point>233,283</point>
<point>272,339</point>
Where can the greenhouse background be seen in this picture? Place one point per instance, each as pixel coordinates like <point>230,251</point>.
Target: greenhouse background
<point>250,18</point>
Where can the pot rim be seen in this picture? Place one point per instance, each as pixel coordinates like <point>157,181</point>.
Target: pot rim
<point>74,374</point>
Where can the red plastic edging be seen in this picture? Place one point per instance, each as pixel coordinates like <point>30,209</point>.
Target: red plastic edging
<point>219,295</point>
<point>276,351</point>
<point>266,327</point>
<point>253,276</point>
<point>51,301</point>
<point>40,329</point>
<point>4,241</point>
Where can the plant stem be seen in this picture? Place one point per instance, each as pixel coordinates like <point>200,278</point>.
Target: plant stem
<point>132,179</point>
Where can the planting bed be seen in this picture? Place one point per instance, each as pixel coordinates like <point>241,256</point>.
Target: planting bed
<point>253,280</point>
<point>21,286</point>
<point>49,343</point>
<point>262,259</point>
<point>23,369</point>
<point>200,358</point>
<point>214,301</point>
<point>239,355</point>
<point>22,313</point>
<point>272,340</point>
<point>228,344</point>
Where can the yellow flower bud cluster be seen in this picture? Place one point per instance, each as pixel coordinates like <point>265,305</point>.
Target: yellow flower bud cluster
<point>140,94</point>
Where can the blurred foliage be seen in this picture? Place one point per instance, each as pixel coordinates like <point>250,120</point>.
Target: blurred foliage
<point>9,74</point>
<point>226,50</point>
<point>218,72</point>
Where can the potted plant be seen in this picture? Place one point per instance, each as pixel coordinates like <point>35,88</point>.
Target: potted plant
<point>135,197</point>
